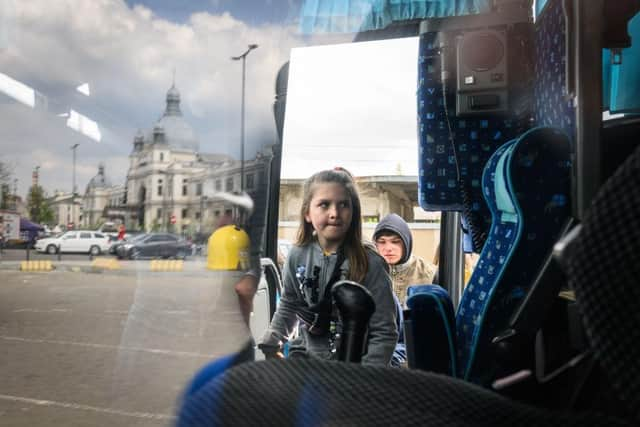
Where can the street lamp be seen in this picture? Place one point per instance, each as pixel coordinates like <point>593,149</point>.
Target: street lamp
<point>244,58</point>
<point>73,189</point>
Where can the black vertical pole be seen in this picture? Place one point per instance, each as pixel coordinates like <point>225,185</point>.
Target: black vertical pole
<point>244,58</point>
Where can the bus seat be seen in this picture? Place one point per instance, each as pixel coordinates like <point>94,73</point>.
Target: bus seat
<point>552,106</point>
<point>451,180</point>
<point>429,329</point>
<point>603,270</point>
<point>311,392</point>
<point>537,178</point>
<point>527,188</point>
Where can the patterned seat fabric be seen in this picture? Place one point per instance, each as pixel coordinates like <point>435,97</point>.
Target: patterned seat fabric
<point>443,172</point>
<point>603,269</point>
<point>527,188</point>
<point>551,106</point>
<point>299,392</point>
<point>446,176</point>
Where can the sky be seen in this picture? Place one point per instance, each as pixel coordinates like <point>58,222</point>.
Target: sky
<point>129,52</point>
<point>361,115</point>
<point>254,12</point>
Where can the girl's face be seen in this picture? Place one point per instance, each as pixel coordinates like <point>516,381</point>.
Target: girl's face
<point>330,214</point>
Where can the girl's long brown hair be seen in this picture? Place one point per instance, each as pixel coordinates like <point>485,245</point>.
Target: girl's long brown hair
<point>352,246</point>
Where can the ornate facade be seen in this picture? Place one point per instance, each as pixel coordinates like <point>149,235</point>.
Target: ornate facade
<point>170,184</point>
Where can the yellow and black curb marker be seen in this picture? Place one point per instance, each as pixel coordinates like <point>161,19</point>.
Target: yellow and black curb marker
<point>40,265</point>
<point>167,265</point>
<point>106,263</point>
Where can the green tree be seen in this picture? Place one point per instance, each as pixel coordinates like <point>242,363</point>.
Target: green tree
<point>39,209</point>
<point>5,198</point>
<point>5,176</point>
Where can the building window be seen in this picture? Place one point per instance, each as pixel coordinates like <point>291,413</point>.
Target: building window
<point>199,189</point>
<point>185,213</point>
<point>162,157</point>
<point>229,184</point>
<point>249,181</point>
<point>159,213</point>
<point>217,213</point>
<point>159,187</point>
<point>184,187</point>
<point>197,215</point>
<point>218,185</point>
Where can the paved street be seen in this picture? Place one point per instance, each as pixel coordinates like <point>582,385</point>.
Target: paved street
<point>21,255</point>
<point>104,349</point>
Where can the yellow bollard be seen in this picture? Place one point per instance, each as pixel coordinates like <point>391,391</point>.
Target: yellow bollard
<point>36,266</point>
<point>166,265</point>
<point>106,263</point>
<point>228,249</point>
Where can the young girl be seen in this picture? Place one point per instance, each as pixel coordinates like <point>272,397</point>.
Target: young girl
<point>329,248</point>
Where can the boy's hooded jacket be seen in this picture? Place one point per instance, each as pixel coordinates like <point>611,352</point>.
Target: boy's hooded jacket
<point>382,334</point>
<point>410,270</point>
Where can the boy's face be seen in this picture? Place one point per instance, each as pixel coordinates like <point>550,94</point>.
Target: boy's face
<point>390,247</point>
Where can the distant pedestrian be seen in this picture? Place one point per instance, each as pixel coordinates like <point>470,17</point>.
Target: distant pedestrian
<point>121,231</point>
<point>393,239</point>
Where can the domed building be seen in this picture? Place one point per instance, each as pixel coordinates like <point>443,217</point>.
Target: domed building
<point>172,128</point>
<point>171,185</point>
<point>98,195</point>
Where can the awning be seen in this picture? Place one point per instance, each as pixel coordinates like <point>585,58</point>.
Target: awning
<point>26,225</point>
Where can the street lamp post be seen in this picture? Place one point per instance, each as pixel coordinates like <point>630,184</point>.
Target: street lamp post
<point>244,58</point>
<point>73,189</point>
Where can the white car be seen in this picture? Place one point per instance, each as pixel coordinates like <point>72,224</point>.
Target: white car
<point>75,241</point>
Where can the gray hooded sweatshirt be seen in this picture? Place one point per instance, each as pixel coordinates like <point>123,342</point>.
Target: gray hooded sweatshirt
<point>382,333</point>
<point>411,269</point>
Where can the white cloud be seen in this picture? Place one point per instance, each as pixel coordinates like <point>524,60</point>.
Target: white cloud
<point>128,57</point>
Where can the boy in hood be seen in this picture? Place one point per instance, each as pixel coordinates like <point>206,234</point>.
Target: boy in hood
<point>393,240</point>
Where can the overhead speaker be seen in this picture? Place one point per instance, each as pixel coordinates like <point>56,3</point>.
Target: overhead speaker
<point>482,73</point>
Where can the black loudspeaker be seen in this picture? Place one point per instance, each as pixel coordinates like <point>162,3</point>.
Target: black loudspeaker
<point>482,72</point>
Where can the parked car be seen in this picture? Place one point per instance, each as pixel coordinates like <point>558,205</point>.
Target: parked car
<point>115,243</point>
<point>156,245</point>
<point>75,241</point>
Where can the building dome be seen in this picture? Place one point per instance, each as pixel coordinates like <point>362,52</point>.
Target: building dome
<point>100,180</point>
<point>177,132</point>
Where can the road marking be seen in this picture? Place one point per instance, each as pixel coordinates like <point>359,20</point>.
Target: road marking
<point>111,347</point>
<point>40,402</point>
<point>37,310</point>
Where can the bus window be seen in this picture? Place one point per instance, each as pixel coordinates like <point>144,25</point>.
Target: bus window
<point>353,106</point>
<point>125,119</point>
